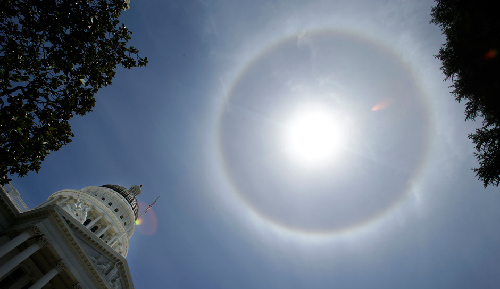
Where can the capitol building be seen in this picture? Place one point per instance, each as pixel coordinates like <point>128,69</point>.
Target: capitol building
<point>75,239</point>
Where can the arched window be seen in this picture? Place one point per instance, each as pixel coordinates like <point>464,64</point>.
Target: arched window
<point>110,204</point>
<point>93,229</point>
<point>86,222</point>
<point>121,217</point>
<point>116,210</point>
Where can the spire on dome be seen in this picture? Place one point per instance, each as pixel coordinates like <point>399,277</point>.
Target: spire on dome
<point>135,190</point>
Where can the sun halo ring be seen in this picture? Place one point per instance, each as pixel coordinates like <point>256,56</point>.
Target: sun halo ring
<point>297,231</point>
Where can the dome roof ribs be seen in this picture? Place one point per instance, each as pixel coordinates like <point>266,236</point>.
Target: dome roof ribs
<point>129,195</point>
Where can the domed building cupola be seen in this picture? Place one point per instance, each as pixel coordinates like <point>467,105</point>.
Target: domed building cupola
<point>108,211</point>
<point>129,195</point>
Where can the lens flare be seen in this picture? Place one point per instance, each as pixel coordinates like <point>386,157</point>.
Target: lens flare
<point>492,53</point>
<point>383,104</point>
<point>148,223</point>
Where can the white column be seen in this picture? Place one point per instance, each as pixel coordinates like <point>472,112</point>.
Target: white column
<point>9,265</point>
<point>45,278</point>
<point>102,231</point>
<point>9,246</point>
<point>94,221</point>
<point>112,240</point>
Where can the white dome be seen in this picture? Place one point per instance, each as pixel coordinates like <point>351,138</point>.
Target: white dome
<point>108,211</point>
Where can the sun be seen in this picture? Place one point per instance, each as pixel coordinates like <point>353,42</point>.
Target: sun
<point>314,135</point>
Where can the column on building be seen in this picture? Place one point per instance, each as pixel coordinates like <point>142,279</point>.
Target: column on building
<point>18,240</point>
<point>21,256</point>
<point>49,275</point>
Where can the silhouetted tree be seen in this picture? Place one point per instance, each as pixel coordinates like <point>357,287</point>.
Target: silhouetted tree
<point>54,56</point>
<point>469,59</point>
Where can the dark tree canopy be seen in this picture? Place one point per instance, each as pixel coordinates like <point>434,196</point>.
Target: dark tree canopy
<point>469,59</point>
<point>54,56</point>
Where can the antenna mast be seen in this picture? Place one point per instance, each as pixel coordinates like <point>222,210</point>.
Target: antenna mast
<point>147,209</point>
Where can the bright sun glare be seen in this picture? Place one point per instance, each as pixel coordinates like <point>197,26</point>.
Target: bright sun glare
<point>314,136</point>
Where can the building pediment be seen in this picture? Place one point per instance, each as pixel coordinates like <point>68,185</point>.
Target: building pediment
<point>111,267</point>
<point>102,265</point>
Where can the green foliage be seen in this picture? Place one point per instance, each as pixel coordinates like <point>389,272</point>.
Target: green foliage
<point>54,56</point>
<point>469,58</point>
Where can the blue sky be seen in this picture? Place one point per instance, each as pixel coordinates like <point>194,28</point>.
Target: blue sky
<point>204,125</point>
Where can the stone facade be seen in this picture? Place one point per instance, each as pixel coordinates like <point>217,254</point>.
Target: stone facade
<point>76,239</point>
